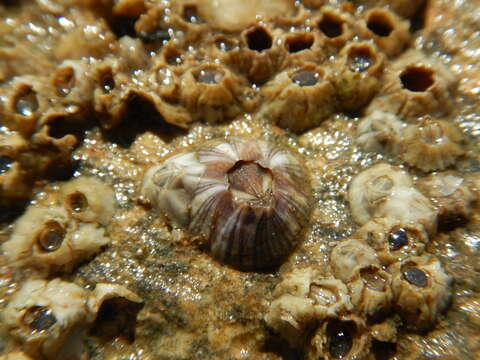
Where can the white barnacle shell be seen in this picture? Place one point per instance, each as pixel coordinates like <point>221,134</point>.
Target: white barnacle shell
<point>431,145</point>
<point>88,199</point>
<point>387,191</point>
<point>46,315</point>
<point>45,239</point>
<point>303,299</point>
<point>422,289</point>
<point>248,199</point>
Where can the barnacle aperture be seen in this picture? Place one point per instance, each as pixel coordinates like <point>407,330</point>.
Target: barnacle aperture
<point>248,199</point>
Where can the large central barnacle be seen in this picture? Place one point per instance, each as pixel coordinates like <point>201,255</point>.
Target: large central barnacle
<point>248,199</point>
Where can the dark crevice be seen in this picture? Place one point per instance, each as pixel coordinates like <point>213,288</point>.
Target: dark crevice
<point>299,43</point>
<point>123,26</point>
<point>417,22</point>
<point>141,116</point>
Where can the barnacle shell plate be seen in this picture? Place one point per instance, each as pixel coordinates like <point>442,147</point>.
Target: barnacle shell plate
<point>248,199</point>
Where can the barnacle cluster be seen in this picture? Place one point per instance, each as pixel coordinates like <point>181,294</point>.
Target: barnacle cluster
<point>274,178</point>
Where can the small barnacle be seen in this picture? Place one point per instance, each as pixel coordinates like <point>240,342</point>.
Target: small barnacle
<point>212,93</point>
<point>248,199</point>
<point>370,291</point>
<point>431,144</point>
<point>299,99</point>
<point>345,337</point>
<point>421,290</point>
<point>46,315</point>
<point>380,132</point>
<point>335,27</point>
<point>45,239</point>
<point>88,199</point>
<point>357,74</point>
<point>26,99</point>
<point>392,240</point>
<point>452,196</point>
<point>390,32</point>
<point>349,257</point>
<point>387,191</point>
<point>415,86</point>
<point>303,299</point>
<point>303,47</point>
<point>114,309</point>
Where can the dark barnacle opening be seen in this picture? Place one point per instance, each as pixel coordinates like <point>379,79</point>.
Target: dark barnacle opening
<point>417,78</point>
<point>305,78</point>
<point>5,163</point>
<point>107,83</point>
<point>26,103</point>
<point>116,317</point>
<point>51,236</point>
<point>417,22</point>
<point>414,275</point>
<point>190,14</point>
<point>299,42</point>
<point>372,279</point>
<point>173,57</point>
<point>39,318</point>
<point>160,35</point>
<point>331,26</point>
<point>379,23</point>
<point>340,338</point>
<point>383,350</point>
<point>398,239</point>
<point>77,202</point>
<point>360,58</point>
<point>259,39</point>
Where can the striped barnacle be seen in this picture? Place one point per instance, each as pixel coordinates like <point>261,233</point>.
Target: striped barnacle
<point>248,199</point>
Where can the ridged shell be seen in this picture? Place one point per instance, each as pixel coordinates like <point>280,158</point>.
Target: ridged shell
<point>248,199</point>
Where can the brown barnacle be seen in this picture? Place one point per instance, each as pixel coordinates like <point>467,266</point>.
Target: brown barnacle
<point>43,316</point>
<point>392,240</point>
<point>248,199</point>
<point>357,74</point>
<point>451,194</point>
<point>45,240</point>
<point>387,191</point>
<point>260,55</point>
<point>345,337</point>
<point>15,177</point>
<point>335,27</point>
<point>380,132</point>
<point>300,98</point>
<point>25,100</point>
<point>390,32</point>
<point>211,93</point>
<point>431,144</point>
<point>88,199</point>
<point>370,291</point>
<point>303,299</point>
<point>422,290</point>
<point>349,257</point>
<point>114,309</point>
<point>302,47</point>
<point>415,86</point>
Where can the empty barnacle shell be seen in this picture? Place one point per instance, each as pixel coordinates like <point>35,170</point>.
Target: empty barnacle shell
<point>370,291</point>
<point>349,256</point>
<point>380,132</point>
<point>248,199</point>
<point>299,99</point>
<point>392,240</point>
<point>415,86</point>
<point>345,337</point>
<point>335,27</point>
<point>390,32</point>
<point>45,239</point>
<point>303,299</point>
<point>357,74</point>
<point>421,289</point>
<point>88,199</point>
<point>114,309</point>
<point>451,194</point>
<point>212,93</point>
<point>387,191</point>
<point>303,47</point>
<point>45,315</point>
<point>431,144</point>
